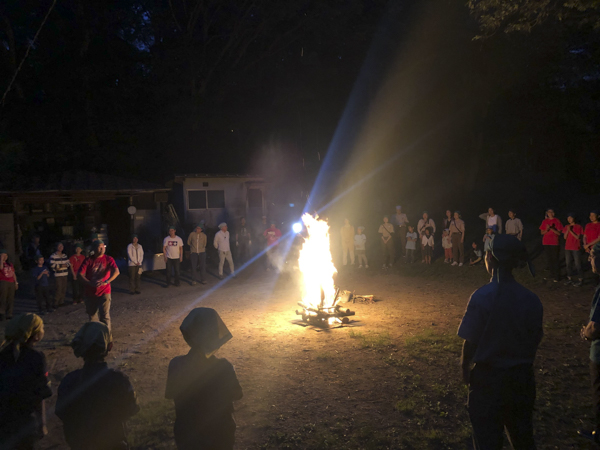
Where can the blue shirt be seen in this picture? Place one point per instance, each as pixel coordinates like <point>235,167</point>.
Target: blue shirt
<point>504,320</point>
<point>595,317</point>
<point>411,245</point>
<point>43,281</point>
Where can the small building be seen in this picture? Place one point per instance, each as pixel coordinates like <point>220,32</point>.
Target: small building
<point>70,206</point>
<point>215,198</point>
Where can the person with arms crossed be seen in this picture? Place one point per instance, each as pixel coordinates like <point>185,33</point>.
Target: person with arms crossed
<point>514,226</point>
<point>551,229</point>
<point>572,233</point>
<point>501,383</point>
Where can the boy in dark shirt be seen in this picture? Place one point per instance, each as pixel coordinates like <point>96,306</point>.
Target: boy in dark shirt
<point>40,276</point>
<point>202,386</point>
<point>94,402</point>
<point>24,384</point>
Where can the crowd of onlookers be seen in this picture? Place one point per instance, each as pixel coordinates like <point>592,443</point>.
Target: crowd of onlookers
<point>403,242</point>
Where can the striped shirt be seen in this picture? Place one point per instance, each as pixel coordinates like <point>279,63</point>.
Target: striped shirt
<point>60,264</point>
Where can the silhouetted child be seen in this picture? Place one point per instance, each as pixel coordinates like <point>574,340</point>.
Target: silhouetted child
<point>411,244</point>
<point>427,242</point>
<point>95,402</point>
<point>40,275</point>
<point>476,254</point>
<point>447,244</point>
<point>360,241</point>
<point>202,386</point>
<point>24,384</point>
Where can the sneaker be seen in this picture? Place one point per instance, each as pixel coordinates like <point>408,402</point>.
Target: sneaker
<point>460,265</point>
<point>360,267</point>
<point>455,263</point>
<point>555,280</point>
<point>233,275</point>
<point>366,267</point>
<point>568,282</point>
<point>384,266</point>
<point>221,276</point>
<point>194,283</point>
<point>446,261</point>
<point>578,283</point>
<point>203,282</point>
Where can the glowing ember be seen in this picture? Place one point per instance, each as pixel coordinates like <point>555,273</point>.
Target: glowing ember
<point>316,265</point>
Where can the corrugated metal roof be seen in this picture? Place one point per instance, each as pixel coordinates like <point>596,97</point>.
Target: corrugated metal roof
<point>82,181</point>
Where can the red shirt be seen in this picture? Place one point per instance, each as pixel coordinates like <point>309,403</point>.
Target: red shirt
<point>76,262</point>
<point>572,242</point>
<point>272,235</point>
<point>592,232</point>
<point>551,238</point>
<point>95,269</point>
<point>7,273</point>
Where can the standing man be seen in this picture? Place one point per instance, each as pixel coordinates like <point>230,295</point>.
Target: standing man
<point>457,236</point>
<point>97,272</point>
<point>502,328</point>
<point>197,242</point>
<point>243,242</point>
<point>551,229</point>
<point>222,245</point>
<point>514,226</point>
<point>401,222</point>
<point>173,251</point>
<point>347,233</point>
<point>59,263</point>
<point>591,332</point>
<point>135,259</point>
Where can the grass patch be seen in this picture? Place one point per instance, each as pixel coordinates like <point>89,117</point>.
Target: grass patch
<point>324,357</point>
<point>432,343</point>
<point>152,427</point>
<point>372,340</point>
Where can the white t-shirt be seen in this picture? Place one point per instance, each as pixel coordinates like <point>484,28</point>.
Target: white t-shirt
<point>492,220</point>
<point>172,246</point>
<point>359,241</point>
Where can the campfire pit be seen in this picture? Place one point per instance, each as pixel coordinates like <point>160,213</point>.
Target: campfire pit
<point>320,298</point>
<point>325,315</point>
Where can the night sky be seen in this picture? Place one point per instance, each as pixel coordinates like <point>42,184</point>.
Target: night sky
<point>380,102</point>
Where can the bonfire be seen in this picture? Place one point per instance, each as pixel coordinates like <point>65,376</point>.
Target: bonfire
<point>320,297</point>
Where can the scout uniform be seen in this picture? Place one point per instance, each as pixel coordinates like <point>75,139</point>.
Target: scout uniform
<point>347,243</point>
<point>197,242</point>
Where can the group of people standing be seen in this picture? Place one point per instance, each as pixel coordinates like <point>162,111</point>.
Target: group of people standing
<point>400,240</point>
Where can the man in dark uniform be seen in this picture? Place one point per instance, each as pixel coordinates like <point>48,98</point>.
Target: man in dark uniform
<point>591,332</point>
<point>94,402</point>
<point>502,328</point>
<point>243,242</point>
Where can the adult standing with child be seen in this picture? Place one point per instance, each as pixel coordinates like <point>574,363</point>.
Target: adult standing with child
<point>422,225</point>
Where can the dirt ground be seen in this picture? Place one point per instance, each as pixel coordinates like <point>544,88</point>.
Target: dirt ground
<point>390,379</point>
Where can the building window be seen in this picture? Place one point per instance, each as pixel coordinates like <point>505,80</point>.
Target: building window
<point>196,199</point>
<point>254,198</point>
<point>216,199</point>
<point>206,199</point>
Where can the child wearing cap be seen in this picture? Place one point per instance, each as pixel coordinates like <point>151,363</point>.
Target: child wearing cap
<point>40,274</point>
<point>94,402</point>
<point>25,384</point>
<point>8,286</point>
<point>572,233</point>
<point>202,386</point>
<point>76,261</point>
<point>360,241</point>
